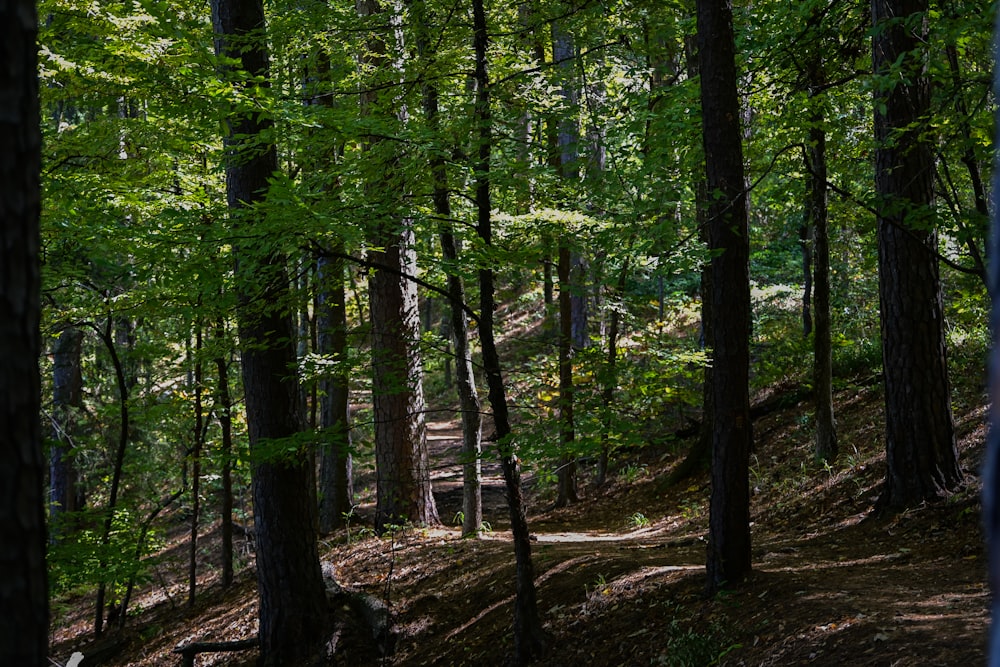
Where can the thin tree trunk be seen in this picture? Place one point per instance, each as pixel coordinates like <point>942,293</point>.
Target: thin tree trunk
<point>336,463</point>
<point>108,338</point>
<point>198,435</point>
<point>566,473</point>
<point>817,214</point>
<point>67,400</point>
<point>226,427</point>
<point>468,396</point>
<point>529,637</point>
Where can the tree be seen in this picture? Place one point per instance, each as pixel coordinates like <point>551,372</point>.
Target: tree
<point>24,610</point>
<point>403,487</point>
<point>67,399</point>
<point>468,395</point>
<point>292,602</point>
<point>729,522</point>
<point>921,454</point>
<point>529,636</point>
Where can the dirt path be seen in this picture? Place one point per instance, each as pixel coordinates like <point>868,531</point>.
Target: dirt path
<point>620,575</point>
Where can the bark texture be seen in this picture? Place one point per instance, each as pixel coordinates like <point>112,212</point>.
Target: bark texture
<point>292,601</point>
<point>729,520</point>
<point>922,459</point>
<point>403,484</point>
<point>24,612</point>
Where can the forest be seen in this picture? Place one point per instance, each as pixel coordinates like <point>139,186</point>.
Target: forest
<point>613,332</point>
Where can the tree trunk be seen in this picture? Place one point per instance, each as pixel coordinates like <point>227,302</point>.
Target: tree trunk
<point>529,637</point>
<point>991,464</point>
<point>24,610</point>
<point>920,440</point>
<point>566,473</point>
<point>336,466</point>
<point>817,213</point>
<point>67,400</point>
<point>226,427</point>
<point>108,337</point>
<point>568,140</point>
<point>292,602</point>
<point>198,441</point>
<point>403,484</point>
<point>468,396</point>
<point>729,521</point>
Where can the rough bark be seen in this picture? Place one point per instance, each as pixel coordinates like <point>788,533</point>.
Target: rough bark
<point>403,485</point>
<point>292,603</point>
<point>24,612</point>
<point>922,459</point>
<point>729,520</point>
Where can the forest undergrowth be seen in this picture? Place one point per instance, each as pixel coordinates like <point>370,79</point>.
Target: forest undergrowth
<point>620,575</point>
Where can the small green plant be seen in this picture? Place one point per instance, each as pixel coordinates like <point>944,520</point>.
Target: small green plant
<point>633,471</point>
<point>600,585</point>
<point>638,520</point>
<point>687,647</point>
<point>459,518</point>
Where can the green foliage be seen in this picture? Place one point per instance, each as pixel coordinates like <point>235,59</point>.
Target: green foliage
<point>687,646</point>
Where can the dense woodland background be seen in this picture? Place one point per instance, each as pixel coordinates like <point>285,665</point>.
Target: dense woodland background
<point>596,241</point>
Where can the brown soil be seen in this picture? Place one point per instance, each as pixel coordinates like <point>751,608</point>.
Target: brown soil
<point>620,575</point>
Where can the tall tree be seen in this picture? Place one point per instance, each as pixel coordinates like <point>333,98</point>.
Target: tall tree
<point>529,636</point>
<point>403,487</point>
<point>567,160</point>
<point>67,400</point>
<point>24,611</point>
<point>468,395</point>
<point>729,519</point>
<point>818,222</point>
<point>336,484</point>
<point>292,600</point>
<point>921,453</point>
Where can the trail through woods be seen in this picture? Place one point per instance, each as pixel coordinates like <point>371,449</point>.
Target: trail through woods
<point>621,574</point>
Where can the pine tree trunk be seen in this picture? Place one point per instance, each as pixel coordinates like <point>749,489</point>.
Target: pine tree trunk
<point>729,521</point>
<point>403,484</point>
<point>24,610</point>
<point>292,600</point>
<point>921,452</point>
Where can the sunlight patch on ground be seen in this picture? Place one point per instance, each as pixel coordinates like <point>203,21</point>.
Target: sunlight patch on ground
<point>563,537</point>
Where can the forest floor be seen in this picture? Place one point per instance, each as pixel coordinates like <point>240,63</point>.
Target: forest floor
<point>620,575</point>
